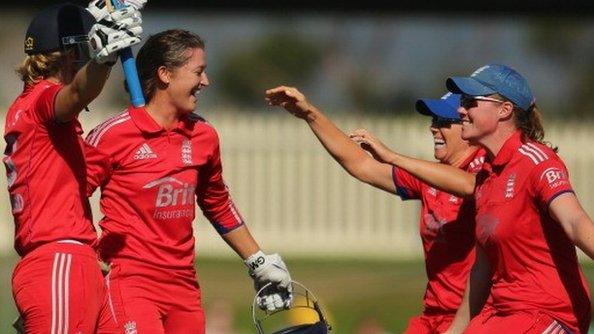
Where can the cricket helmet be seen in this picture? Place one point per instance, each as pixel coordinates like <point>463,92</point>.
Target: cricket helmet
<point>57,28</point>
<point>303,299</point>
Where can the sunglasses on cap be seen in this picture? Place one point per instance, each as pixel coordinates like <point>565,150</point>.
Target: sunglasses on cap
<point>442,122</point>
<point>468,101</point>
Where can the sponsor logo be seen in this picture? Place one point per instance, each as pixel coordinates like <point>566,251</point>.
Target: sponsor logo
<point>477,72</point>
<point>257,263</point>
<point>509,187</point>
<point>130,327</point>
<point>144,152</point>
<point>554,176</point>
<point>186,152</point>
<point>172,193</point>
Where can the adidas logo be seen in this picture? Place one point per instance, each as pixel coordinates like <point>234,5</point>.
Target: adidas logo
<point>144,152</point>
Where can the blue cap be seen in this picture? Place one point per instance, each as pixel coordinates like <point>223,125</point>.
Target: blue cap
<point>492,79</point>
<point>446,107</point>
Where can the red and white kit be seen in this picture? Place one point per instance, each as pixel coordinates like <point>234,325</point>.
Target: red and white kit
<point>446,226</point>
<point>45,165</point>
<point>150,180</point>
<point>536,274</point>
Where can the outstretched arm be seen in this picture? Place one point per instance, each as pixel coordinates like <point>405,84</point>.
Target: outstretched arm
<point>447,178</point>
<point>347,153</point>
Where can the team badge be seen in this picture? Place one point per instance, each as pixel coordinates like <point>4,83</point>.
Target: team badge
<point>29,43</point>
<point>130,327</point>
<point>186,152</point>
<point>509,187</point>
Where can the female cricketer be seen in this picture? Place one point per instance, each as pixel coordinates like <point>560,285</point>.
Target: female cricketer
<point>160,160</point>
<point>446,221</point>
<point>45,165</point>
<point>528,218</point>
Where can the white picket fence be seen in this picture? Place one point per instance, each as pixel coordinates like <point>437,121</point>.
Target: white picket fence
<point>298,201</point>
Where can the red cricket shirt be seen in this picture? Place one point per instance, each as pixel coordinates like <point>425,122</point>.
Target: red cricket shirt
<point>534,263</point>
<point>150,180</point>
<point>45,165</point>
<point>446,226</point>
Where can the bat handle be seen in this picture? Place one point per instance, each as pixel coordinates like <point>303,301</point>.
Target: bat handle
<point>130,71</point>
<point>134,88</point>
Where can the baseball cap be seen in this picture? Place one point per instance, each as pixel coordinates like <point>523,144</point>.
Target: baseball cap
<point>445,107</point>
<point>491,79</point>
<point>58,26</point>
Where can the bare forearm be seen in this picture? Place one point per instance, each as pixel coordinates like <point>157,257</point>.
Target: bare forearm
<point>346,152</point>
<point>242,242</point>
<point>462,317</point>
<point>477,291</point>
<point>577,224</point>
<point>89,81</point>
<point>84,88</point>
<point>450,179</point>
<point>583,235</point>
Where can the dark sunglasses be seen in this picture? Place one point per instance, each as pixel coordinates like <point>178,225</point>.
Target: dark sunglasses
<point>442,122</point>
<point>467,101</point>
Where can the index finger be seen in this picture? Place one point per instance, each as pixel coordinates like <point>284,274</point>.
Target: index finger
<point>276,90</point>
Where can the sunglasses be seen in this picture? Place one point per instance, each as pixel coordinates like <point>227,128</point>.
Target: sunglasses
<point>442,122</point>
<point>468,101</point>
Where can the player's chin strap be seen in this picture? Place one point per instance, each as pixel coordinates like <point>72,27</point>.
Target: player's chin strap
<point>310,299</point>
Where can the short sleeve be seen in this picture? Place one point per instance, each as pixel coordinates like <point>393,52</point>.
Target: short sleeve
<point>407,186</point>
<point>44,109</point>
<point>99,161</point>
<point>548,180</point>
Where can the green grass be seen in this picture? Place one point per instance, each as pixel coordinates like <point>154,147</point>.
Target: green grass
<point>350,290</point>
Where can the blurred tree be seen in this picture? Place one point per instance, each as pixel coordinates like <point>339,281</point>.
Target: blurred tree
<point>570,48</point>
<point>278,59</point>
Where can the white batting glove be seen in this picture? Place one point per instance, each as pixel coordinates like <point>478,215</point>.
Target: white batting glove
<point>266,269</point>
<point>99,9</point>
<point>116,31</point>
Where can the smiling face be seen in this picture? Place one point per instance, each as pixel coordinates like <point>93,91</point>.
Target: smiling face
<point>480,117</point>
<point>186,81</point>
<point>447,141</point>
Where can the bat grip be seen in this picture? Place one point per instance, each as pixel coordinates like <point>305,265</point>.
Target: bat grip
<point>130,71</point>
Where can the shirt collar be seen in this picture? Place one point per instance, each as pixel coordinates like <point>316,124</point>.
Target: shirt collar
<point>186,124</point>
<point>146,123</point>
<point>477,153</point>
<point>508,149</point>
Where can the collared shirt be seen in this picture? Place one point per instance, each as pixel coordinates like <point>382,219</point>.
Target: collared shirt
<point>534,263</point>
<point>447,231</point>
<point>45,166</point>
<point>150,180</point>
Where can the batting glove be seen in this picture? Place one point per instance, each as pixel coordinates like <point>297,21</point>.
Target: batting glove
<point>116,31</point>
<point>266,269</point>
<point>99,9</point>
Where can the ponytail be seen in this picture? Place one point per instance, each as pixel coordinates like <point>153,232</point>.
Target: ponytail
<point>529,122</point>
<point>39,66</point>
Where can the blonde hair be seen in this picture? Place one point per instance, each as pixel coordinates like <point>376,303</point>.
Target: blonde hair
<point>529,122</point>
<point>39,66</point>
